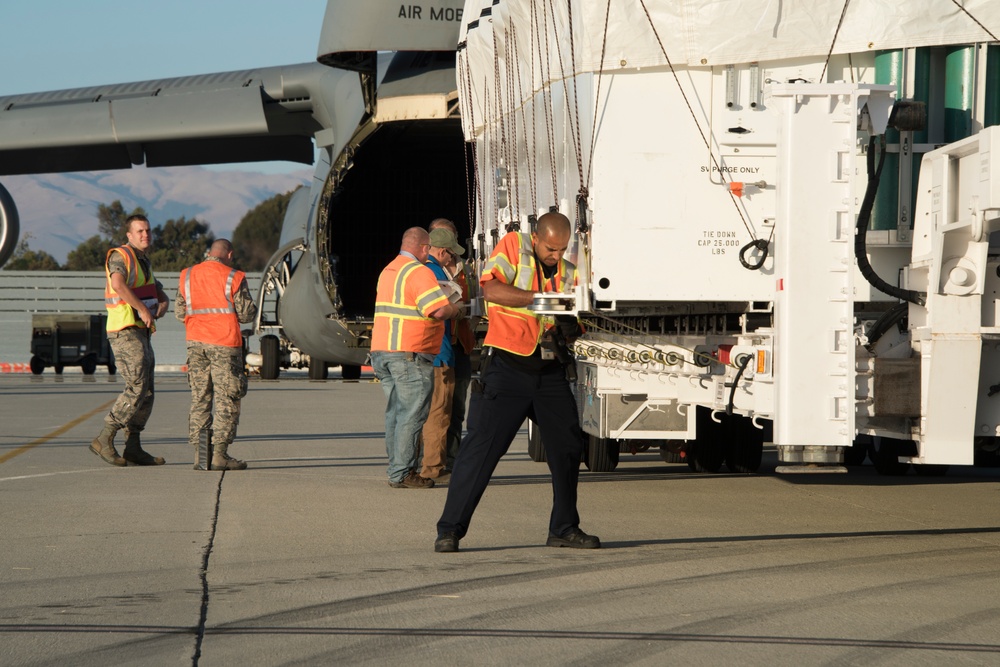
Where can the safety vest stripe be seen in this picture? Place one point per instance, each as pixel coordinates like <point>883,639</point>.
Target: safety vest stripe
<point>210,311</point>
<point>395,333</point>
<point>401,280</point>
<point>130,279</point>
<point>405,318</point>
<point>506,267</point>
<point>427,298</point>
<point>396,310</point>
<point>525,311</point>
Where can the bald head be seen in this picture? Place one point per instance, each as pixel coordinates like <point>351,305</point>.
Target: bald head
<point>551,238</point>
<point>222,250</point>
<point>417,242</point>
<point>553,223</point>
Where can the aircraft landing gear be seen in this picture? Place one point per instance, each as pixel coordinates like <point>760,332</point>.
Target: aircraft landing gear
<point>270,350</point>
<point>318,369</point>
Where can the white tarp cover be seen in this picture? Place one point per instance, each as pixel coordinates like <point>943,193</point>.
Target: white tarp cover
<point>516,47</point>
<point>720,32</point>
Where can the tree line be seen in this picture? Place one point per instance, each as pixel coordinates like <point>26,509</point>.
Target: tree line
<point>176,244</point>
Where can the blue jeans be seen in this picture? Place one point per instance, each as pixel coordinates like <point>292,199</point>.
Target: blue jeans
<point>408,382</point>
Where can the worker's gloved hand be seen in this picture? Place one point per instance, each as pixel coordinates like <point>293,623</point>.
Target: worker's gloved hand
<point>569,327</point>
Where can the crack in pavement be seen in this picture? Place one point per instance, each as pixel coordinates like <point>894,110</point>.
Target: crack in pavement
<point>203,575</point>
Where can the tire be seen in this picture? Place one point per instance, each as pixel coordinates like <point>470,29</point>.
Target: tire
<point>884,454</point>
<point>601,454</point>
<point>987,453</point>
<point>89,364</point>
<point>112,369</point>
<point>536,450</point>
<point>37,365</point>
<point>707,452</point>
<point>318,370</point>
<point>269,352</point>
<point>668,455</point>
<point>350,372</point>
<point>744,444</point>
<point>856,454</point>
<point>58,368</point>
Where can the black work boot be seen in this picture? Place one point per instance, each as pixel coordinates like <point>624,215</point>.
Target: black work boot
<point>136,456</point>
<point>104,446</point>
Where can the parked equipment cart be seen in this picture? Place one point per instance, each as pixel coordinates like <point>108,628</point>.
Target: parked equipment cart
<point>70,339</point>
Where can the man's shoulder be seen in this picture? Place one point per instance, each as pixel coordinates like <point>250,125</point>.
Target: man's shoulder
<point>115,259</point>
<point>511,238</point>
<point>397,262</point>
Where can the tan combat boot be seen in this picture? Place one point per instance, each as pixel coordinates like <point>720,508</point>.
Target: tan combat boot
<point>104,446</point>
<point>136,456</point>
<point>222,461</point>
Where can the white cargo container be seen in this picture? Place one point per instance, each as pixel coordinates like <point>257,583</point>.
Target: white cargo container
<point>720,170</point>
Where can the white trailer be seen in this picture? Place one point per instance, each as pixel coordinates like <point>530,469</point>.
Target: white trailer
<point>722,172</point>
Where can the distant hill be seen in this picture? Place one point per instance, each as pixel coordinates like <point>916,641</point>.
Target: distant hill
<point>60,210</point>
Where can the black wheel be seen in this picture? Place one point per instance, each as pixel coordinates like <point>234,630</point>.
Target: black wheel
<point>856,454</point>
<point>885,452</point>
<point>670,451</point>
<point>987,453</point>
<point>744,444</point>
<point>536,450</point>
<point>601,454</point>
<point>37,365</point>
<point>89,364</point>
<point>269,352</point>
<point>318,370</point>
<point>112,369</point>
<point>58,368</point>
<point>350,371</point>
<point>707,452</point>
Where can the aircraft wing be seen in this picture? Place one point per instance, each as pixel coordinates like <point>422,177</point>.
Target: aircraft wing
<point>264,114</point>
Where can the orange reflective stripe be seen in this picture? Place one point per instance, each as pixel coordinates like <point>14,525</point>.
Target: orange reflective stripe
<point>120,314</point>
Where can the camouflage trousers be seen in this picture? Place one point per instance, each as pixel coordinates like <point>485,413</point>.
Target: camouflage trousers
<point>217,377</point>
<point>135,361</point>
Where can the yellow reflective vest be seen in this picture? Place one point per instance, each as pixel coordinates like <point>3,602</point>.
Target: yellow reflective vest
<point>518,330</point>
<point>120,314</point>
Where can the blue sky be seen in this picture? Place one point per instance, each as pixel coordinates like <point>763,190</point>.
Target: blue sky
<point>57,44</point>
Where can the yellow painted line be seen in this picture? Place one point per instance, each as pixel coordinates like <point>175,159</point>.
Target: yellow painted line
<point>56,433</point>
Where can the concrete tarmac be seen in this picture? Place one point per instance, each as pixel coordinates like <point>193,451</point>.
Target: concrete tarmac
<point>310,558</point>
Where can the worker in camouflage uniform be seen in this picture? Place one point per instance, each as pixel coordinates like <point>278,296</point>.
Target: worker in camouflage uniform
<point>134,299</point>
<point>212,300</point>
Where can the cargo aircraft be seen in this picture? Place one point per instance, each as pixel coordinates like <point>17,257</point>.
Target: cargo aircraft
<point>377,116</point>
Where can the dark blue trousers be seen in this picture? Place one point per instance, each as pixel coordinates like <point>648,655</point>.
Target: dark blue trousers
<point>508,396</point>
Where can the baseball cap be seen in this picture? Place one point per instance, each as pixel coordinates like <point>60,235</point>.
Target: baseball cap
<point>445,238</point>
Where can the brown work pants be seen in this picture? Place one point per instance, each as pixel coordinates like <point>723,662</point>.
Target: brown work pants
<point>435,432</point>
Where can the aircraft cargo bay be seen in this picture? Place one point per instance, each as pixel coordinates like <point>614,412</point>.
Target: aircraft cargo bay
<point>308,557</point>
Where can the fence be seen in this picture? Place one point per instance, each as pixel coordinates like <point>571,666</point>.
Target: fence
<point>23,293</point>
